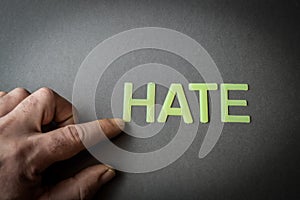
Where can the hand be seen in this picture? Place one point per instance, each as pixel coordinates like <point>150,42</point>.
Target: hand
<point>25,152</point>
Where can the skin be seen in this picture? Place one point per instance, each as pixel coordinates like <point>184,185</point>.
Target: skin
<point>25,152</point>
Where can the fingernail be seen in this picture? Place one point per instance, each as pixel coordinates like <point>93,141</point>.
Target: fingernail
<point>108,175</point>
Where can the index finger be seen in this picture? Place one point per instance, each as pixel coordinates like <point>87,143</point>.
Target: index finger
<point>65,142</point>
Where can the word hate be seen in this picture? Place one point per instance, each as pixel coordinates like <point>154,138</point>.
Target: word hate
<point>176,90</point>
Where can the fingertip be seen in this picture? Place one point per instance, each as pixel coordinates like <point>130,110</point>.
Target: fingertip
<point>93,132</point>
<point>119,123</point>
<point>111,127</point>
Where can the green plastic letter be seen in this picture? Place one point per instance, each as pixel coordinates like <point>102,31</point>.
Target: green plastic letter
<point>129,102</point>
<point>225,103</point>
<point>203,104</point>
<point>183,110</point>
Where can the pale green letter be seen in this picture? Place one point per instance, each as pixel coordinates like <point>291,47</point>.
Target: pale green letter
<point>149,102</point>
<point>183,110</point>
<point>203,88</point>
<point>225,103</point>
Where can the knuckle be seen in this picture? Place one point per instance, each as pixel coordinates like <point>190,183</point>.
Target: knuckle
<point>21,92</point>
<point>53,145</point>
<point>62,140</point>
<point>46,92</point>
<point>71,133</point>
<point>31,173</point>
<point>33,170</point>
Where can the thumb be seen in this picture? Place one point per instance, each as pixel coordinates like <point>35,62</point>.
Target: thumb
<point>82,186</point>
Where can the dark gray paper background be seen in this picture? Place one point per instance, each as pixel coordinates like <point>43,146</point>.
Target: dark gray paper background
<point>42,43</point>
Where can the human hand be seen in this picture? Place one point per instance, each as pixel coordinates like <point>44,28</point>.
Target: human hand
<point>25,152</point>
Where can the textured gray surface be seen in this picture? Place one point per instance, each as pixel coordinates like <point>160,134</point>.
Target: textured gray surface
<point>42,43</point>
